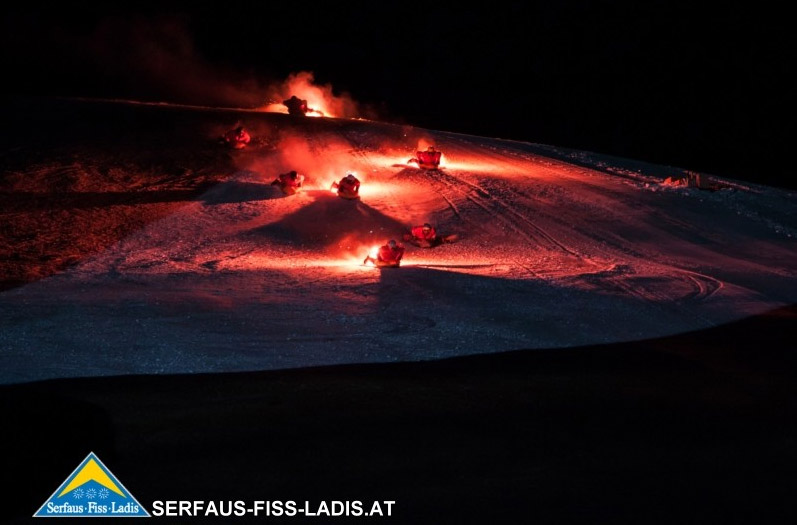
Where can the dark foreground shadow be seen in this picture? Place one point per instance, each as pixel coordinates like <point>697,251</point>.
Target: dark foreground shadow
<point>209,193</point>
<point>234,192</point>
<point>694,428</point>
<point>332,221</point>
<point>86,200</point>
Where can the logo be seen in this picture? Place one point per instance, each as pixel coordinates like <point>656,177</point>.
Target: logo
<point>91,491</point>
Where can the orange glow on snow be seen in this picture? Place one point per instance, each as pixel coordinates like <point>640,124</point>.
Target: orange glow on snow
<point>371,188</point>
<point>346,262</point>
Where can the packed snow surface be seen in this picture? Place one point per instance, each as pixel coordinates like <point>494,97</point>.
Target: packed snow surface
<point>556,248</point>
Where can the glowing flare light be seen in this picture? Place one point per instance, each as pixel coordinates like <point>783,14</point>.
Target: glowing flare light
<point>371,258</point>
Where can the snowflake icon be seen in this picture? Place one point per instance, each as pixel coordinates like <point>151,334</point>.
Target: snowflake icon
<point>91,494</point>
<point>78,494</point>
<point>103,493</point>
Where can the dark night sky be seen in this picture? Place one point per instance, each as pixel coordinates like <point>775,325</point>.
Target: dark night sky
<point>657,81</point>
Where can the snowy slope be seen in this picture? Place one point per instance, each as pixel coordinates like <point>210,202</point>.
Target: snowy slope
<point>558,248</point>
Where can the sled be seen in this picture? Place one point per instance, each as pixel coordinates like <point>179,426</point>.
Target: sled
<point>381,264</point>
<point>422,243</point>
<point>288,190</point>
<point>427,160</point>
<point>348,195</point>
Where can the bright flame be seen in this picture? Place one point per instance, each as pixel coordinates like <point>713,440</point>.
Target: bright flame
<point>371,259</point>
<point>321,102</point>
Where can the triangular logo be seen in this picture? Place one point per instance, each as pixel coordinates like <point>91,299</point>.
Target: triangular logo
<point>91,491</point>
